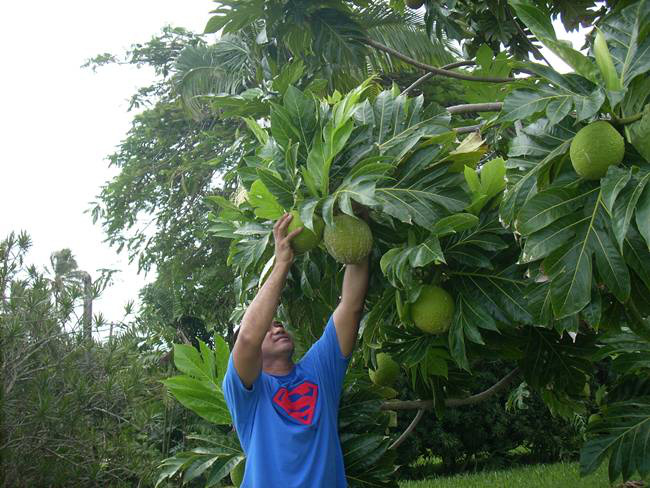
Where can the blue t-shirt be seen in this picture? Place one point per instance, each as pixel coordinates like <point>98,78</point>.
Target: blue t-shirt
<point>288,425</point>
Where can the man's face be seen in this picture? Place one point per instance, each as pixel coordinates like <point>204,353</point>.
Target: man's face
<point>277,341</point>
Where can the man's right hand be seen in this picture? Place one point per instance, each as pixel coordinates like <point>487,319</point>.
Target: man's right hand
<point>283,251</point>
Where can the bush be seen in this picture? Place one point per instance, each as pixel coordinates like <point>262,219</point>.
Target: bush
<point>485,433</point>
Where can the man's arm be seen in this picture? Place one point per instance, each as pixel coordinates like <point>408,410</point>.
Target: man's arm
<point>247,351</point>
<point>349,311</point>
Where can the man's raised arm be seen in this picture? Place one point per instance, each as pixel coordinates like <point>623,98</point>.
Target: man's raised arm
<point>247,351</point>
<point>349,311</point>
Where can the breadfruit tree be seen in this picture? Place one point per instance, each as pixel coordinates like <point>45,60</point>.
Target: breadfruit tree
<point>515,225</point>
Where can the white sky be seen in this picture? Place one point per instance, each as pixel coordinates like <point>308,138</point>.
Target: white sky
<point>59,122</point>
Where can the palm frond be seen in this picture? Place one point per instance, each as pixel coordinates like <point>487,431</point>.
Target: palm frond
<point>411,41</point>
<point>225,67</point>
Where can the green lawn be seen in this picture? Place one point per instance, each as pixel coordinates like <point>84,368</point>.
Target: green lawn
<point>538,476</point>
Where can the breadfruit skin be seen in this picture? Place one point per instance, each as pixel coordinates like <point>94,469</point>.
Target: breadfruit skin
<point>433,311</point>
<point>595,148</point>
<point>237,473</point>
<point>306,240</point>
<point>387,371</point>
<point>349,240</point>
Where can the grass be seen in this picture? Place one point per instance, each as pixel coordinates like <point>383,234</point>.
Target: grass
<point>559,475</point>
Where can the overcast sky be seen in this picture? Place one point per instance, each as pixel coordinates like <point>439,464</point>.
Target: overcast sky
<point>59,122</point>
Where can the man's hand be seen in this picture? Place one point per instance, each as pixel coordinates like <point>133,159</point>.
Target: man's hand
<point>247,351</point>
<point>283,251</point>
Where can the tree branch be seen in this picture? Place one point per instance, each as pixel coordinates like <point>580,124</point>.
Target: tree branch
<point>429,74</point>
<point>432,69</point>
<point>408,430</point>
<point>452,402</point>
<point>475,107</point>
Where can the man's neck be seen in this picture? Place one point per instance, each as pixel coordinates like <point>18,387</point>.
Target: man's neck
<point>277,366</point>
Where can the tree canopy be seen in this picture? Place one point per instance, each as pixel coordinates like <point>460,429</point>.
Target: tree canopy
<point>447,125</point>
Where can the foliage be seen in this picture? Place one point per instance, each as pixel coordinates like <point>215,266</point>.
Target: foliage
<point>548,270</point>
<point>74,412</point>
<point>465,436</point>
<point>548,248</point>
<point>495,23</point>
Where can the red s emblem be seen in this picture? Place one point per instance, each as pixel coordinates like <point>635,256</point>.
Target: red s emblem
<point>300,402</point>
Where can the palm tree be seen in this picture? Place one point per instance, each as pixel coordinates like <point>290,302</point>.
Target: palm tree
<point>65,269</point>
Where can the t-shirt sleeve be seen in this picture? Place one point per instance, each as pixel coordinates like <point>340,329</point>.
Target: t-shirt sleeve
<point>328,359</point>
<point>240,400</point>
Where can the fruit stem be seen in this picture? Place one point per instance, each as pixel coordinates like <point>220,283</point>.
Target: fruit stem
<point>628,120</point>
<point>437,275</point>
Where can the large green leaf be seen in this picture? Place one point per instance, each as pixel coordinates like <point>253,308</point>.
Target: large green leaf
<point>626,32</point>
<point>264,202</point>
<point>423,206</point>
<point>557,99</point>
<point>623,434</point>
<point>500,294</point>
<point>643,215</point>
<point>469,316</point>
<point>548,206</point>
<point>625,206</point>
<point>570,266</point>
<point>532,153</point>
<point>543,242</point>
<point>302,110</point>
<point>538,20</point>
<point>205,398</point>
<point>636,256</point>
<point>556,362</point>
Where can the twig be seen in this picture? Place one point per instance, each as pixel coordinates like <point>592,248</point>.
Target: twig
<point>628,120</point>
<point>475,107</point>
<point>408,430</point>
<point>428,75</point>
<point>433,69</point>
<point>452,402</point>
<point>417,83</point>
<point>468,128</point>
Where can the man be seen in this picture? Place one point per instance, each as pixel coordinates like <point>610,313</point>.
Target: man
<point>286,414</point>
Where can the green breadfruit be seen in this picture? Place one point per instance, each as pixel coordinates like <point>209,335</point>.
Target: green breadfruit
<point>237,473</point>
<point>595,148</point>
<point>387,371</point>
<point>433,311</point>
<point>349,240</point>
<point>306,240</point>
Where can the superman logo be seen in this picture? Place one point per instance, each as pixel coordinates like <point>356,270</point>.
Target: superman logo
<point>299,402</point>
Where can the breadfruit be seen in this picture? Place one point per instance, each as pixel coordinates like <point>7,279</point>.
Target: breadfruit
<point>433,311</point>
<point>349,240</point>
<point>414,4</point>
<point>306,240</point>
<point>595,148</point>
<point>387,371</point>
<point>237,473</point>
